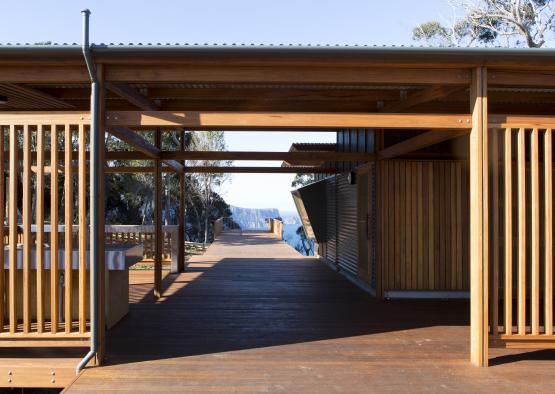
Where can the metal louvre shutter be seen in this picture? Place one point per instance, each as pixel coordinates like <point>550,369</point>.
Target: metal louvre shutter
<point>347,226</point>
<point>331,220</point>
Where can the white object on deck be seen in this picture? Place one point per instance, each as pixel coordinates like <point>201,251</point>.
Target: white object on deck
<point>117,257</point>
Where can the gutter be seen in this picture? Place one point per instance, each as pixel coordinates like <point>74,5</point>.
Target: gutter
<point>334,54</point>
<point>94,164</point>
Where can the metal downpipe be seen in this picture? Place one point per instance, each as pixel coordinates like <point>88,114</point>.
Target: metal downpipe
<point>94,181</point>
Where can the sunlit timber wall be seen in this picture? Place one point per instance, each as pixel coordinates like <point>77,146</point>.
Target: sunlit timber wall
<point>423,221</point>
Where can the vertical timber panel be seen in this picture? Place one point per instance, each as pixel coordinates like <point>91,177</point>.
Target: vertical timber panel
<point>548,234</point>
<point>2,221</point>
<point>82,196</point>
<point>508,158</point>
<point>158,220</point>
<point>54,233</point>
<point>182,214</point>
<point>26,221</point>
<point>68,227</point>
<point>495,232</point>
<point>535,239</point>
<point>479,226</point>
<point>101,200</point>
<point>12,216</point>
<point>459,226</point>
<point>521,232</point>
<point>431,244</point>
<point>40,229</point>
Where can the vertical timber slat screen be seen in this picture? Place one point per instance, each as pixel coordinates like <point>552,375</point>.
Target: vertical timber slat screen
<point>45,294</point>
<point>522,300</point>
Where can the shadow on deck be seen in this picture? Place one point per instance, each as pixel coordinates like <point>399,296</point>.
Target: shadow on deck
<point>253,315</point>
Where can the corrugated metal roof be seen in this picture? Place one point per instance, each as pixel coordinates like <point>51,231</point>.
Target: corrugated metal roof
<point>364,47</point>
<point>313,146</point>
<point>266,53</point>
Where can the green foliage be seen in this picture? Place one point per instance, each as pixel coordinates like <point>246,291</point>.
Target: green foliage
<point>526,23</point>
<point>305,245</point>
<point>130,196</point>
<point>431,31</point>
<point>301,180</point>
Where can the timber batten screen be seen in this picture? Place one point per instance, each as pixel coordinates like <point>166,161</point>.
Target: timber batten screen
<point>39,302</point>
<point>522,309</point>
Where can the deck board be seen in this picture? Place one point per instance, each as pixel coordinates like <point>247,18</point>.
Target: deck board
<point>251,315</point>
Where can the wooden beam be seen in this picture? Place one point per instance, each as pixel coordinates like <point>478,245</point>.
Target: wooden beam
<point>517,121</point>
<point>43,74</point>
<point>544,79</point>
<point>225,73</point>
<point>33,97</point>
<point>300,121</point>
<point>135,141</point>
<point>139,143</point>
<point>262,170</point>
<point>246,92</point>
<point>285,120</point>
<point>272,156</point>
<point>479,226</point>
<point>423,140</point>
<point>42,117</point>
<point>420,97</point>
<point>133,96</point>
<point>230,170</point>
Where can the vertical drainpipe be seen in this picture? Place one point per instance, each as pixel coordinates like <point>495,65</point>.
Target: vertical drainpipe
<point>95,136</point>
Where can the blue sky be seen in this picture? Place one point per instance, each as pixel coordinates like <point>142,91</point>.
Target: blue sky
<point>369,22</point>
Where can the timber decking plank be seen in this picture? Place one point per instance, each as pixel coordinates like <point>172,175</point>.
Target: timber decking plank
<point>251,315</point>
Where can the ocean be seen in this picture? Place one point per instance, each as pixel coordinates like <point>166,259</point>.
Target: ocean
<point>290,234</point>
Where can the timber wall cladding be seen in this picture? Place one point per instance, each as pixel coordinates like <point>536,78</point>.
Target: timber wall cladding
<point>424,225</point>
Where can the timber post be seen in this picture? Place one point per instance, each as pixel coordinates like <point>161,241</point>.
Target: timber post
<point>479,220</point>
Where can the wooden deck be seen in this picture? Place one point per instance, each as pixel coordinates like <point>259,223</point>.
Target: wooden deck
<point>251,315</point>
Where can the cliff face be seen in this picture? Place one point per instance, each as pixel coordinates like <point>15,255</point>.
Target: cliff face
<point>252,218</point>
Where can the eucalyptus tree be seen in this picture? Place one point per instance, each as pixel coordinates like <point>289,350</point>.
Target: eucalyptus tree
<point>508,23</point>
<point>209,183</point>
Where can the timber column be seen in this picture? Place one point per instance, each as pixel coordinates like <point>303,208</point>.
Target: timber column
<point>182,208</point>
<point>479,219</point>
<point>159,236</point>
<point>100,220</point>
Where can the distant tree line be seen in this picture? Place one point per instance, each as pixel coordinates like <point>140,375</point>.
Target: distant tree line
<point>130,196</point>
